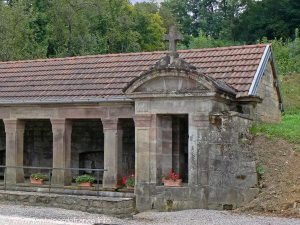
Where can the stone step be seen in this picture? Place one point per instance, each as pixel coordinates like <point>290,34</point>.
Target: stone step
<point>69,191</point>
<point>116,206</point>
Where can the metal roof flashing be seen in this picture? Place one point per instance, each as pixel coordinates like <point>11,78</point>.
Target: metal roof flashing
<point>260,71</point>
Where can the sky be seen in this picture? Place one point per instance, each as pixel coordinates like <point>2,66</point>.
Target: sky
<point>134,1</point>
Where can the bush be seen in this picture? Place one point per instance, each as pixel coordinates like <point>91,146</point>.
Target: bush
<point>204,41</point>
<point>38,176</point>
<point>287,54</point>
<point>85,178</point>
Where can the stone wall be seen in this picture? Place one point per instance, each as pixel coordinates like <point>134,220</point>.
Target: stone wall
<point>226,176</point>
<point>269,109</point>
<point>232,177</point>
<point>116,206</point>
<point>37,145</point>
<point>87,145</point>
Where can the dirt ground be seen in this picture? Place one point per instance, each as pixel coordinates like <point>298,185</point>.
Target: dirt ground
<point>280,183</point>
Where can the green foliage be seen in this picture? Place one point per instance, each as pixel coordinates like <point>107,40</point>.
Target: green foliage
<point>216,18</point>
<point>85,178</point>
<point>260,170</point>
<point>237,20</point>
<point>204,41</point>
<point>18,39</point>
<point>266,18</point>
<point>287,54</point>
<point>32,29</point>
<point>288,129</point>
<point>56,28</point>
<point>130,181</point>
<point>290,86</point>
<point>38,176</point>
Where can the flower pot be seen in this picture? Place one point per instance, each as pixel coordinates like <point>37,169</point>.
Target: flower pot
<point>86,184</point>
<point>130,188</point>
<point>172,183</point>
<point>36,181</point>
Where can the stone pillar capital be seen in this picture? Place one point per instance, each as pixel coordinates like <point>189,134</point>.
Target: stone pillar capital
<point>60,124</point>
<point>143,120</point>
<point>110,124</point>
<point>14,125</point>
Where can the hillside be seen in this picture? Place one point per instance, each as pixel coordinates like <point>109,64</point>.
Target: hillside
<point>278,155</point>
<point>289,128</point>
<point>280,181</point>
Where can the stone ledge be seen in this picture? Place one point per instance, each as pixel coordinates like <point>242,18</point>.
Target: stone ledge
<point>68,191</point>
<point>120,207</point>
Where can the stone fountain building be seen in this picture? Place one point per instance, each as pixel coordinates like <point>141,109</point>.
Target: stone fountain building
<point>143,113</point>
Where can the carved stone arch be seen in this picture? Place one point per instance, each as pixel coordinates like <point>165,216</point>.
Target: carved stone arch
<point>170,81</point>
<point>173,76</point>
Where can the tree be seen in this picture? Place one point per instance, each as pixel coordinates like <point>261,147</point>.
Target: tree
<point>214,18</point>
<point>149,24</point>
<point>82,27</point>
<point>267,18</point>
<point>18,40</point>
<point>69,28</point>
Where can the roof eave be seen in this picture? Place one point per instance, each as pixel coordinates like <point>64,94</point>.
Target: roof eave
<point>60,101</point>
<point>247,99</point>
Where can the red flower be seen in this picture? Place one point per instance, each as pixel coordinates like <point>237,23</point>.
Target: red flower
<point>124,180</point>
<point>173,176</point>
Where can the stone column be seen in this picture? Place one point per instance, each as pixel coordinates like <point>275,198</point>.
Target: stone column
<point>145,161</point>
<point>113,135</point>
<point>14,130</point>
<point>62,130</point>
<point>199,156</point>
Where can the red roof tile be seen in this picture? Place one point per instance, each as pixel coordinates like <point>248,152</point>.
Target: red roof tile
<point>105,76</point>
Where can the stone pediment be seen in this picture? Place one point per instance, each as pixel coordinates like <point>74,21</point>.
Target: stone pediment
<point>171,84</point>
<point>173,61</point>
<point>172,75</point>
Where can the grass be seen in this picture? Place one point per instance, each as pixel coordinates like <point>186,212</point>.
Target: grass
<point>289,128</point>
<point>290,87</point>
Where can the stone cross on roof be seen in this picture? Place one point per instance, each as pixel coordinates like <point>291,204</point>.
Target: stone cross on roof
<point>173,37</point>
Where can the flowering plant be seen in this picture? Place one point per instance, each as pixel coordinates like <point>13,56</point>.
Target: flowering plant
<point>128,181</point>
<point>38,176</point>
<point>86,178</point>
<point>172,176</point>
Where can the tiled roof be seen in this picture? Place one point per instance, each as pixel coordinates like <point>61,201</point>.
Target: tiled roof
<point>105,76</point>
